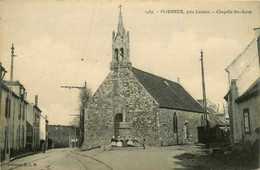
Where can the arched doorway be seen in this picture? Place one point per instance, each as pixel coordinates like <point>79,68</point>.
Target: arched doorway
<point>175,129</point>
<point>118,119</point>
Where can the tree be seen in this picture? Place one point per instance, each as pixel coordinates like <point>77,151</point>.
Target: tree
<point>84,97</point>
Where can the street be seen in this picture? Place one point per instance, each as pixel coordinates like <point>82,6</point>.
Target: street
<point>56,159</point>
<point>172,157</point>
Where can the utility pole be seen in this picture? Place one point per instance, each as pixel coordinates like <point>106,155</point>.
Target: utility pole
<point>8,129</point>
<point>204,91</point>
<point>2,74</point>
<point>204,98</point>
<point>46,132</point>
<point>81,120</point>
<point>75,87</point>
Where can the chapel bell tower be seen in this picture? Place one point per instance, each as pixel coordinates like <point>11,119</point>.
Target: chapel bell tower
<point>120,46</point>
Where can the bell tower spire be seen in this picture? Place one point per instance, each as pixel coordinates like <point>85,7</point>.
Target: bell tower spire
<point>120,46</point>
<point>120,27</point>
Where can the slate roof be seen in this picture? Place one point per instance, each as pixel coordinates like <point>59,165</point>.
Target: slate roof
<point>252,91</point>
<point>167,93</point>
<point>214,120</point>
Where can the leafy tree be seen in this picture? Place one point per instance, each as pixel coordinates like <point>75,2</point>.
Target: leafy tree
<point>84,97</point>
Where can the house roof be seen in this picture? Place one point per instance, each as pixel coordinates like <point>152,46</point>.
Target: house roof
<point>37,108</point>
<point>167,93</point>
<point>15,83</point>
<point>226,96</point>
<point>252,91</point>
<point>5,87</point>
<point>214,120</point>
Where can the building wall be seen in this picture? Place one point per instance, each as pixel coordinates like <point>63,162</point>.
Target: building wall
<point>30,116</point>
<point>235,120</point>
<point>243,72</point>
<point>36,128</point>
<point>245,68</point>
<point>121,93</point>
<point>29,130</point>
<point>61,135</point>
<point>20,112</point>
<point>182,135</point>
<point>42,128</point>
<point>3,122</point>
<point>33,118</point>
<point>249,75</point>
<point>254,118</point>
<point>17,122</point>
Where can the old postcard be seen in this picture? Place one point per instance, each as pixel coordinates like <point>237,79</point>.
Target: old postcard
<point>91,84</point>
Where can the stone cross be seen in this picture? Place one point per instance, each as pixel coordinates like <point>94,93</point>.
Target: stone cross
<point>120,6</point>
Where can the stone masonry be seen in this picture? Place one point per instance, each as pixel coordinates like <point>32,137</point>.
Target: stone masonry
<point>134,104</point>
<point>121,93</point>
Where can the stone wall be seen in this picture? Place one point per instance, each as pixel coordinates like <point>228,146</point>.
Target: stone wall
<point>168,137</point>
<point>121,93</point>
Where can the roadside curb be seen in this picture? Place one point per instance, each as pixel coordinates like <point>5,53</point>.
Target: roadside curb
<point>22,155</point>
<point>18,157</point>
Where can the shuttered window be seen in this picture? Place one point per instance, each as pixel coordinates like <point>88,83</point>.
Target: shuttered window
<point>7,107</point>
<point>246,120</point>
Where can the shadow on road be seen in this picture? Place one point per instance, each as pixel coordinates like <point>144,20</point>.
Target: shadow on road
<point>204,160</point>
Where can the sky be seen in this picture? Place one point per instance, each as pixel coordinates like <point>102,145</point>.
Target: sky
<point>51,38</point>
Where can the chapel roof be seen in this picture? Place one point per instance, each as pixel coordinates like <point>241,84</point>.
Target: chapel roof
<point>167,93</point>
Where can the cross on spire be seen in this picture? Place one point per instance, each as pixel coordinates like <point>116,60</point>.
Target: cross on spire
<point>120,6</point>
<point>120,28</point>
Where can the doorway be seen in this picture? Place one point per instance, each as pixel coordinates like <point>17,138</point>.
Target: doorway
<point>118,119</point>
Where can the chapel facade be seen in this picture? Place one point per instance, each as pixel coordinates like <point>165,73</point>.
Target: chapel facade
<point>133,103</point>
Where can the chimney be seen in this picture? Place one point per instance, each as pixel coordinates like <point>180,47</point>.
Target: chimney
<point>233,83</point>
<point>36,100</point>
<point>234,89</point>
<point>46,120</point>
<point>257,36</point>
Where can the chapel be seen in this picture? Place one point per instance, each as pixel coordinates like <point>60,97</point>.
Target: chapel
<point>133,103</point>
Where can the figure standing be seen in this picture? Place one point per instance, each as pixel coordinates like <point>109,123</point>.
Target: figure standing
<point>113,141</point>
<point>44,146</point>
<point>119,143</point>
<point>144,143</point>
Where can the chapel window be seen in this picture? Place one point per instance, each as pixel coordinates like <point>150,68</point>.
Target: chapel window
<point>116,54</point>
<point>174,122</point>
<point>122,53</point>
<point>20,111</point>
<point>119,117</point>
<point>6,107</point>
